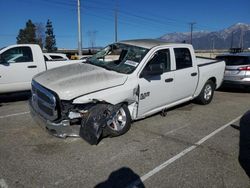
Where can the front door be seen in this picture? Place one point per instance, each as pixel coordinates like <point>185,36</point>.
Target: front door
<point>157,90</point>
<point>17,69</point>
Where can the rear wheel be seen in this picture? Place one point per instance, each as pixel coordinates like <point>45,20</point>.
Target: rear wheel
<point>120,123</point>
<point>207,93</point>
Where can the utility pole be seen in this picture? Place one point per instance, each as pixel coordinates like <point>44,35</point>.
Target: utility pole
<point>191,33</point>
<point>232,40</point>
<point>79,28</point>
<point>241,45</point>
<point>116,25</point>
<point>212,52</point>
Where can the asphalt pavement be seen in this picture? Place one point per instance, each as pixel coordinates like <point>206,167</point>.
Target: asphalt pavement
<point>192,146</point>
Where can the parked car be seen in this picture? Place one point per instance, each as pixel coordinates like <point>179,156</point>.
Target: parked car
<point>85,57</point>
<point>55,56</point>
<point>125,81</point>
<point>237,70</point>
<point>19,63</point>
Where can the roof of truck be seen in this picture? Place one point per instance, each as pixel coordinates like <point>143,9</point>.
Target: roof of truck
<point>145,43</point>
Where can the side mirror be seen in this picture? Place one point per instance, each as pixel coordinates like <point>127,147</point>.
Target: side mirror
<point>153,70</point>
<point>3,62</point>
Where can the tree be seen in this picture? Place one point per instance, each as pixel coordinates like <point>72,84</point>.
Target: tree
<point>50,40</point>
<point>28,34</point>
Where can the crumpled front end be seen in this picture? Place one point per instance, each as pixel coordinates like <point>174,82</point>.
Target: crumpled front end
<point>64,119</point>
<point>46,110</point>
<point>61,129</point>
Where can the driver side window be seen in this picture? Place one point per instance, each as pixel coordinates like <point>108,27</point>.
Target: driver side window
<point>160,57</point>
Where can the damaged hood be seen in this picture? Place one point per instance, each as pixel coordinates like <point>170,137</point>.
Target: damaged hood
<point>79,79</point>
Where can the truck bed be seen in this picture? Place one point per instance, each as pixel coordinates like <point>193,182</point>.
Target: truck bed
<point>204,61</point>
<point>209,69</point>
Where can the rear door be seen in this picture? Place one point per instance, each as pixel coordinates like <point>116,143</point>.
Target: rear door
<point>186,74</point>
<point>17,69</point>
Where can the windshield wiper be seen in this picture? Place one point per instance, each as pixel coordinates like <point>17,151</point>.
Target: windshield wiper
<point>87,62</point>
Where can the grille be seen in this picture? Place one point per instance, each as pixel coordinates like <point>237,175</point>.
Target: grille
<point>44,102</point>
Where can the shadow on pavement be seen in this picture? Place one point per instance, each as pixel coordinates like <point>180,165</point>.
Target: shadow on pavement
<point>122,177</point>
<point>14,97</point>
<point>235,127</point>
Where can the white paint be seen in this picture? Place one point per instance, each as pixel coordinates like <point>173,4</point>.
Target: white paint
<point>131,63</point>
<point>181,154</point>
<point>17,114</point>
<point>18,76</point>
<point>3,184</point>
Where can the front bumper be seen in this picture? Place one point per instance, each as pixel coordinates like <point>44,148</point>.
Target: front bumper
<point>62,129</point>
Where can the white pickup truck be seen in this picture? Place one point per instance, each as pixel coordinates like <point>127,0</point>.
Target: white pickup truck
<point>125,81</point>
<point>19,63</point>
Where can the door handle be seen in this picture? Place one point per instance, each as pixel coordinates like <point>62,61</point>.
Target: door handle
<point>32,66</point>
<point>169,80</point>
<point>194,74</point>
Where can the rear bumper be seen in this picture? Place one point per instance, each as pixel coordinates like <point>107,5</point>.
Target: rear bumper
<point>62,129</point>
<point>236,82</point>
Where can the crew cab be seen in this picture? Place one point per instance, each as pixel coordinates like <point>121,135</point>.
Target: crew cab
<point>125,81</point>
<point>19,63</point>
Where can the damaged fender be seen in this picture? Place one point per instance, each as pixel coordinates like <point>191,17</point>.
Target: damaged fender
<point>95,125</point>
<point>114,96</point>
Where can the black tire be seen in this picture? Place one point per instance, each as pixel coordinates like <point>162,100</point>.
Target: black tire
<point>207,93</point>
<point>122,120</point>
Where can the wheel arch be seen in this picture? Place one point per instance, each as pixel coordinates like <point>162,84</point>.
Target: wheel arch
<point>213,79</point>
<point>202,97</point>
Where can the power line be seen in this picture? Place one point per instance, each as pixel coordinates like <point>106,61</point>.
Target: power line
<point>159,19</point>
<point>106,7</point>
<point>153,17</point>
<point>109,18</point>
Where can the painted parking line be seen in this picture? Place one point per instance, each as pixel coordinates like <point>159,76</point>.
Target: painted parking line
<point>17,114</point>
<point>181,154</point>
<point>3,184</point>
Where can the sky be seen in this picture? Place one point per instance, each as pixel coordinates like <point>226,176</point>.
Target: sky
<point>136,18</point>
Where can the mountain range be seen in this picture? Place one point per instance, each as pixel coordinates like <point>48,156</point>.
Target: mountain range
<point>235,36</point>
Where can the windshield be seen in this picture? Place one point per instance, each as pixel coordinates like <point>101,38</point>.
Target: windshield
<point>118,57</point>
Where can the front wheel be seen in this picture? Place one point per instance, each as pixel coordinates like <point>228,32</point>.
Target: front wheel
<point>120,123</point>
<point>207,93</point>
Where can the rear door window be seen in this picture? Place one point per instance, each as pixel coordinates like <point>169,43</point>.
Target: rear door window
<point>183,58</point>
